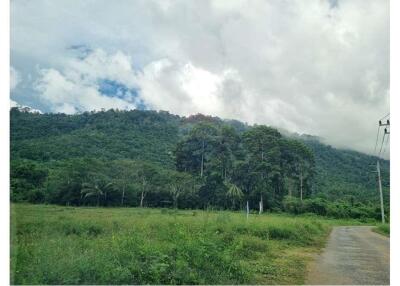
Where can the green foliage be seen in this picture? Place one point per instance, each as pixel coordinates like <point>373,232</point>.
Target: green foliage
<point>349,175</point>
<point>383,229</point>
<point>156,159</point>
<point>65,245</point>
<point>27,181</point>
<point>144,136</point>
<point>336,209</point>
<point>234,193</point>
<point>251,161</point>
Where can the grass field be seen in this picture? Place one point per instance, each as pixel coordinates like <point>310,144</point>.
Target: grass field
<point>67,245</point>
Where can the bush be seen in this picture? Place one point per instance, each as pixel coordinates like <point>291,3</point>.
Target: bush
<point>36,196</point>
<point>292,205</point>
<point>340,210</point>
<point>317,206</point>
<point>383,229</point>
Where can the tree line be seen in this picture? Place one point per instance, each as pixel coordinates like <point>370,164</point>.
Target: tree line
<point>155,159</point>
<point>215,167</point>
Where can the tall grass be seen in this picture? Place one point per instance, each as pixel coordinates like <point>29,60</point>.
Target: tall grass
<point>383,229</point>
<point>65,245</point>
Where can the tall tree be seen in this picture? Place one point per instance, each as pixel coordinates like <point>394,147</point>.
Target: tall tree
<point>193,152</point>
<point>125,175</point>
<point>262,144</point>
<point>226,147</point>
<point>298,164</point>
<point>179,183</point>
<point>146,175</point>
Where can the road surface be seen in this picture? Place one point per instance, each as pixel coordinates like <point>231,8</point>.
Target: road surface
<point>354,255</point>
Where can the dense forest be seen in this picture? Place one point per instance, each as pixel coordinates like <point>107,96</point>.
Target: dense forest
<point>156,159</point>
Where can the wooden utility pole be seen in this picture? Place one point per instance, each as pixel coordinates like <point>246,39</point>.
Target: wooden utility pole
<point>380,190</point>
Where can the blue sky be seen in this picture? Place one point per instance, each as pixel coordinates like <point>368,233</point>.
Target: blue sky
<point>315,66</point>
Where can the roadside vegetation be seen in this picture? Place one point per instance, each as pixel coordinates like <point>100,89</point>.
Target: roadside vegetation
<point>86,245</point>
<point>383,229</point>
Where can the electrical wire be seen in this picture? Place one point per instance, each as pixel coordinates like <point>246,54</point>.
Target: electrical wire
<point>385,116</point>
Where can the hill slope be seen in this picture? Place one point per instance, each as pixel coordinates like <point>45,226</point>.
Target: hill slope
<point>152,137</point>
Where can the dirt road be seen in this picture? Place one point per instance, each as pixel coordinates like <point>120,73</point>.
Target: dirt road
<point>354,255</point>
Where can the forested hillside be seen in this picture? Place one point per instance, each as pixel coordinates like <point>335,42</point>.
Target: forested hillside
<point>148,158</point>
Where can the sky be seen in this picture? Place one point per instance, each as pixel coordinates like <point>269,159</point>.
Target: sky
<point>319,67</point>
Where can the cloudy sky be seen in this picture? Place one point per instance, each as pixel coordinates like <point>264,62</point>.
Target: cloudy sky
<point>312,66</point>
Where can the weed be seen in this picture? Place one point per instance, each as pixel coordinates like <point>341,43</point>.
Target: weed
<point>152,246</point>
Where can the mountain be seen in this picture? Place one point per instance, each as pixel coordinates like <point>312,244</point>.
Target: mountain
<point>23,108</point>
<point>150,136</point>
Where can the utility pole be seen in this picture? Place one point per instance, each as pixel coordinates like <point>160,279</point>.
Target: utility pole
<point>378,169</point>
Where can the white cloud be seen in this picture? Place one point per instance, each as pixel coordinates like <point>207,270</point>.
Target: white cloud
<point>307,66</point>
<point>180,88</point>
<point>23,107</point>
<point>162,84</point>
<point>100,65</point>
<point>13,103</point>
<point>71,94</point>
<point>15,78</point>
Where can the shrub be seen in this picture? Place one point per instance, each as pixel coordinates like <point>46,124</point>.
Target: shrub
<point>383,229</point>
<point>317,206</point>
<point>292,205</point>
<point>36,196</point>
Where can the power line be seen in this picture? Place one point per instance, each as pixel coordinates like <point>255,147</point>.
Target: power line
<point>387,123</point>
<point>378,169</point>
<point>386,132</point>
<point>385,116</point>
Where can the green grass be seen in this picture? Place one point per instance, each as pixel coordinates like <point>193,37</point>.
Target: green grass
<point>67,245</point>
<point>383,229</point>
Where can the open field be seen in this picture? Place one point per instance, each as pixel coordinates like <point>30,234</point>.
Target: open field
<point>67,245</point>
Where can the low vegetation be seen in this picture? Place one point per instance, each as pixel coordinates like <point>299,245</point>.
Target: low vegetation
<point>86,245</point>
<point>382,229</point>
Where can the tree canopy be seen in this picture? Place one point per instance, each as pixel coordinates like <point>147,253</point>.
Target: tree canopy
<point>148,158</point>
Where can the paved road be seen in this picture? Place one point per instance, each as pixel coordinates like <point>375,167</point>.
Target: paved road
<point>354,255</point>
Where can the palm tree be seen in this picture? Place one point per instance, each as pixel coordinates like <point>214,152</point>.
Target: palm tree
<point>97,189</point>
<point>234,192</point>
